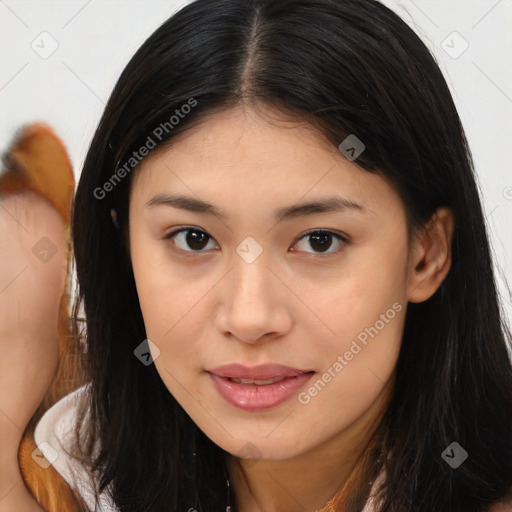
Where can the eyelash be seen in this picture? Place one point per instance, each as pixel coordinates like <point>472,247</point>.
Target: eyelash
<point>345,241</point>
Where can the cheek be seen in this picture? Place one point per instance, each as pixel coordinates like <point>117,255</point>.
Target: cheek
<point>169,301</point>
<point>368,285</point>
<point>150,276</point>
<point>161,305</point>
<point>365,312</point>
<point>359,359</point>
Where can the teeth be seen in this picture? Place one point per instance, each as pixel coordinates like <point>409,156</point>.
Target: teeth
<point>257,382</point>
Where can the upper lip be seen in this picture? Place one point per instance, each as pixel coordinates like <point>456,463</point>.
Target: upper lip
<point>260,372</point>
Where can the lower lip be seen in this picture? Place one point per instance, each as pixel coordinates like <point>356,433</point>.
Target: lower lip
<point>251,397</point>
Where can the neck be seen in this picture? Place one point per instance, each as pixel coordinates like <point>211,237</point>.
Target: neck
<point>309,480</point>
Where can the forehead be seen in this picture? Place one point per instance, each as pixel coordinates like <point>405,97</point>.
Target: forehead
<point>244,156</point>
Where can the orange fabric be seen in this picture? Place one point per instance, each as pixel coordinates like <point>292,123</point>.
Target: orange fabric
<point>37,161</point>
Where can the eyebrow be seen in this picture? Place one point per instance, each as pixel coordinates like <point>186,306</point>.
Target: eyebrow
<point>322,205</point>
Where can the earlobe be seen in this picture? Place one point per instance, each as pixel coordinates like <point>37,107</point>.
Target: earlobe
<point>431,256</point>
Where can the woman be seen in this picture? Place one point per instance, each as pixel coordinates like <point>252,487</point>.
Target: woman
<point>286,276</point>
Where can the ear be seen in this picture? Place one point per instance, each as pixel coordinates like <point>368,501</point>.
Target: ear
<point>431,255</point>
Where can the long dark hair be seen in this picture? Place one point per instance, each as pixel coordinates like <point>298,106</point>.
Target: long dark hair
<point>347,67</point>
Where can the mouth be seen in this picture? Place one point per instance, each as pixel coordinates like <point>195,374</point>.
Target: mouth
<point>261,373</point>
<point>258,382</point>
<point>258,388</point>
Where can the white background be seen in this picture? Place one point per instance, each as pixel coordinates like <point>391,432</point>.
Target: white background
<point>96,38</point>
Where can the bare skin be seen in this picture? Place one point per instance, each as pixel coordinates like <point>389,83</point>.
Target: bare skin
<point>31,286</point>
<point>292,305</point>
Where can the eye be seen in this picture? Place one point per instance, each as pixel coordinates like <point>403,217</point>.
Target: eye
<point>196,239</point>
<point>321,240</point>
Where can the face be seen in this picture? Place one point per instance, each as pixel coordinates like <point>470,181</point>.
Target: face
<point>262,280</point>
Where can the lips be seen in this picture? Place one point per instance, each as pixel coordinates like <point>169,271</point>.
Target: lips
<point>258,387</point>
<point>261,372</point>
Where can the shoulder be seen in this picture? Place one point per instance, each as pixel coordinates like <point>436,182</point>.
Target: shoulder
<point>54,432</point>
<point>54,436</point>
<point>59,421</point>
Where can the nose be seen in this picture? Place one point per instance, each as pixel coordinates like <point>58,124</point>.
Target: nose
<point>255,302</point>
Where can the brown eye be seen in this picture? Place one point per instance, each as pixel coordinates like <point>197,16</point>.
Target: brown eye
<point>190,239</point>
<point>321,241</point>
